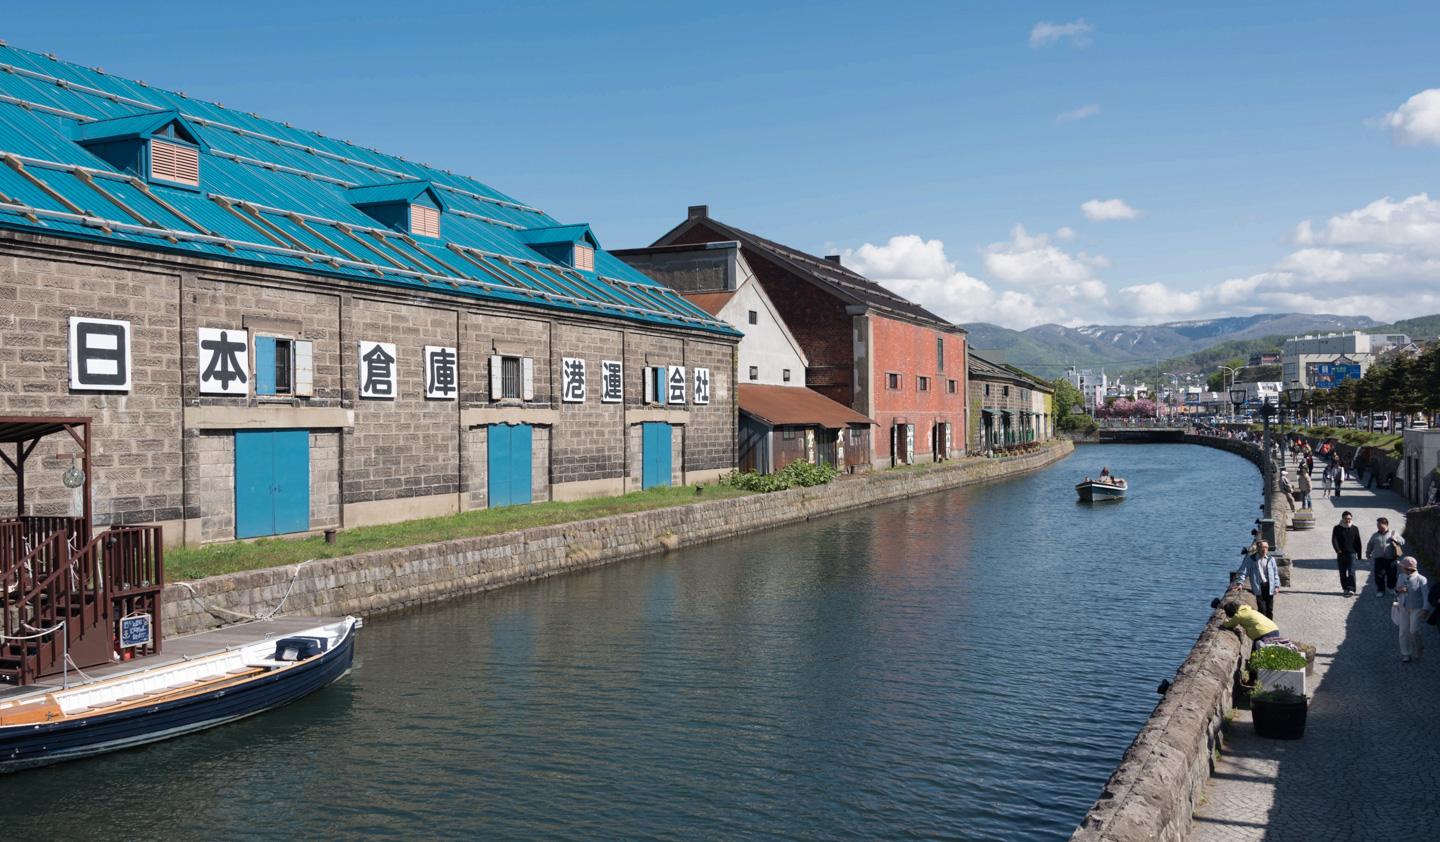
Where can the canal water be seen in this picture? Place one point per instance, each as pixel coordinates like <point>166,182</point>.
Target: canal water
<point>966,665</point>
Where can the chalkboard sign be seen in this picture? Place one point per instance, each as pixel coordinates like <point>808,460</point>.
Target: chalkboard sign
<point>135,631</point>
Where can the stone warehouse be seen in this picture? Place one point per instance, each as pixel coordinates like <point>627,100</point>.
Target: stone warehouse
<point>276,332</point>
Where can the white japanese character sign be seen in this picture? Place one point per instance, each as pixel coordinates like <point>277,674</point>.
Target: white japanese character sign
<point>702,386</point>
<point>572,377</point>
<point>675,385</point>
<point>224,362</point>
<point>99,354</point>
<point>612,381</point>
<point>377,370</point>
<point>440,380</point>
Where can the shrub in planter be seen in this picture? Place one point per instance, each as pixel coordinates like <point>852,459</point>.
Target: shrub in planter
<point>1279,714</point>
<point>1278,668</point>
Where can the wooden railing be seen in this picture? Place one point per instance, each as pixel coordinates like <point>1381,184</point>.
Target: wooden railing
<point>134,565</point>
<point>49,585</point>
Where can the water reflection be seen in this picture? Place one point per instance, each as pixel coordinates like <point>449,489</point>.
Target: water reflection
<point>966,665</point>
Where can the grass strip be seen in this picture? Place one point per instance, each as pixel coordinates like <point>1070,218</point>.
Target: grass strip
<point>185,563</point>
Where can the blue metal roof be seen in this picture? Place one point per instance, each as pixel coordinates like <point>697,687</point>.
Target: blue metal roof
<point>274,195</point>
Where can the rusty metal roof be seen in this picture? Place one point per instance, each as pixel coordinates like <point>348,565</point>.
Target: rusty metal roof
<point>795,405</point>
<point>710,302</point>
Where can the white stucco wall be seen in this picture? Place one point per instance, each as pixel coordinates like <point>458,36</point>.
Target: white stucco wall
<point>767,344</point>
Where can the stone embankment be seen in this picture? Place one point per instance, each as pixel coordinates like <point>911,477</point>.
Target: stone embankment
<point>389,580</point>
<point>1154,791</point>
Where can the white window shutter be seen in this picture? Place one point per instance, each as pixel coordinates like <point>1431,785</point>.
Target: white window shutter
<point>527,376</point>
<point>496,378</point>
<point>304,368</point>
<point>648,375</point>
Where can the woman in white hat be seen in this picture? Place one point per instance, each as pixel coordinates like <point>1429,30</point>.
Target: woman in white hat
<point>1412,604</point>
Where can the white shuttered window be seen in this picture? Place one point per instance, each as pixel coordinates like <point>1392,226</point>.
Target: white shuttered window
<point>172,162</point>
<point>424,221</point>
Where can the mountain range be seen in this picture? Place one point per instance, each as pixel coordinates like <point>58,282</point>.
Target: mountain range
<point>1045,350</point>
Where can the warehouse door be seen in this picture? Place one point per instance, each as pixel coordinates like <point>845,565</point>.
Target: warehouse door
<point>511,463</point>
<point>272,482</point>
<point>656,455</point>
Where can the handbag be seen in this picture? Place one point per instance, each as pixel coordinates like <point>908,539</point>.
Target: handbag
<point>1395,612</point>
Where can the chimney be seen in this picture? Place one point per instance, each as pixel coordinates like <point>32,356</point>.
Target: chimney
<point>699,212</point>
<point>833,258</point>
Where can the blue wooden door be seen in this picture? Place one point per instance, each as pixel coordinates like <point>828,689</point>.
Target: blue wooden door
<point>509,460</point>
<point>272,482</point>
<point>655,456</point>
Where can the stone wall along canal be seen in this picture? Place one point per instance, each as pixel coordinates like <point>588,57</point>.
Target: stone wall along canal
<point>966,665</point>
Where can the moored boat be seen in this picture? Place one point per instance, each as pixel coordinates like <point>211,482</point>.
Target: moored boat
<point>178,698</point>
<point>1094,491</point>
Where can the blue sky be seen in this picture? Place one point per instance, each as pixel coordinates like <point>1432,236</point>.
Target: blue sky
<point>1266,157</point>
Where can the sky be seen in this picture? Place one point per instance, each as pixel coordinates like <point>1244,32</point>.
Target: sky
<point>1016,163</point>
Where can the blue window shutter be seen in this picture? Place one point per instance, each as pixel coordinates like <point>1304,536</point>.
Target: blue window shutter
<point>264,365</point>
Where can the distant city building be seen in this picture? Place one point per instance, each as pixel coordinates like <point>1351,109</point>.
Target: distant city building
<point>1311,360</point>
<point>1094,385</point>
<point>1265,358</point>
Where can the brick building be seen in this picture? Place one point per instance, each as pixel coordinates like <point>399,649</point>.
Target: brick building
<point>276,332</point>
<point>1013,406</point>
<point>868,348</point>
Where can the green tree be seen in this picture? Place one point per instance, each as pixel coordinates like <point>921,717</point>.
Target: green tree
<point>1067,397</point>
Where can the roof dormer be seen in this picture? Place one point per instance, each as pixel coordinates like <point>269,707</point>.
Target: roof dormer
<point>161,146</point>
<point>567,245</point>
<point>410,206</point>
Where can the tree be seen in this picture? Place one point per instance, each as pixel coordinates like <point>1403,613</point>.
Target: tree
<point>1067,397</point>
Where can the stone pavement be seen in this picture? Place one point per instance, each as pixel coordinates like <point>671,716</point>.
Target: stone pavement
<point>1366,768</point>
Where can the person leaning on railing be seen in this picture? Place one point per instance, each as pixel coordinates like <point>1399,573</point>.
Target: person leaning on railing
<point>1256,625</point>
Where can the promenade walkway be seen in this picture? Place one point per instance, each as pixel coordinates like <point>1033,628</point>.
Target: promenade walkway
<point>1366,768</point>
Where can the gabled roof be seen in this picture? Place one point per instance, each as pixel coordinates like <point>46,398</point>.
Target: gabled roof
<point>399,191</point>
<point>845,284</point>
<point>981,368</point>
<point>560,234</point>
<point>138,125</point>
<point>274,195</point>
<point>795,405</point>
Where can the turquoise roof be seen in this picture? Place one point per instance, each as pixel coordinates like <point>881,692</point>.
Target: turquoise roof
<point>271,194</point>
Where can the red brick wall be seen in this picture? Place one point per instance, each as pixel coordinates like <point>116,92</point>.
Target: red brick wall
<point>909,350</point>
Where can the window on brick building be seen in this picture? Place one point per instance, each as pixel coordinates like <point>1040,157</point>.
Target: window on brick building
<point>512,378</point>
<point>1005,391</point>
<point>892,380</point>
<point>940,355</point>
<point>754,372</point>
<point>924,384</point>
<point>950,386</point>
<point>754,317</point>
<point>283,367</point>
<point>987,390</point>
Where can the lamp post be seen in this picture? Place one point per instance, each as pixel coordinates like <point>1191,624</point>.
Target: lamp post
<point>1233,373</point>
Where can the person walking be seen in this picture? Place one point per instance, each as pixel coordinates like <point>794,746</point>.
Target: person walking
<point>1339,477</point>
<point>1325,480</point>
<point>1345,538</point>
<point>1259,571</point>
<point>1383,549</point>
<point>1304,486</point>
<point>1412,606</point>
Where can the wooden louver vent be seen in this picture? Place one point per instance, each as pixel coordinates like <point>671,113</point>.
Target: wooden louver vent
<point>172,162</point>
<point>424,221</point>
<point>585,258</point>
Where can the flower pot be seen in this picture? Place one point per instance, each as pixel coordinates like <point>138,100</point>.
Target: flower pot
<point>1292,680</point>
<point>1302,520</point>
<point>1279,720</point>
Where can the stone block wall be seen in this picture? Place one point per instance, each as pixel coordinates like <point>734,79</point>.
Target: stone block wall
<point>389,580</point>
<point>592,431</point>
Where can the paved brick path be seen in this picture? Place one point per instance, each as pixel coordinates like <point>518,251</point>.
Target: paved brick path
<point>1366,768</point>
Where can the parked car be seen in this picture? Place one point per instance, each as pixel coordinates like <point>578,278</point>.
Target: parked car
<point>1419,424</point>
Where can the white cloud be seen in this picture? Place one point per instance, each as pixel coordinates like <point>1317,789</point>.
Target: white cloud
<point>1382,261</point>
<point>1412,224</point>
<point>1078,114</point>
<point>1098,211</point>
<point>1047,34</point>
<point>1417,121</point>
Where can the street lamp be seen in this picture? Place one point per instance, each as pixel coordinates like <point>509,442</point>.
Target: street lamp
<point>1234,372</point>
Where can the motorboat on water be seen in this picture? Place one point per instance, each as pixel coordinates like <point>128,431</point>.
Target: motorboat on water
<point>54,725</point>
<point>1105,488</point>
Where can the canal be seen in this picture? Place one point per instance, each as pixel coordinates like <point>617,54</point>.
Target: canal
<point>965,665</point>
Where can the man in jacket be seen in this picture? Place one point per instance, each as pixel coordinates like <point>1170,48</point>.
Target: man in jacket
<point>1304,486</point>
<point>1259,570</point>
<point>1345,539</point>
<point>1383,549</point>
